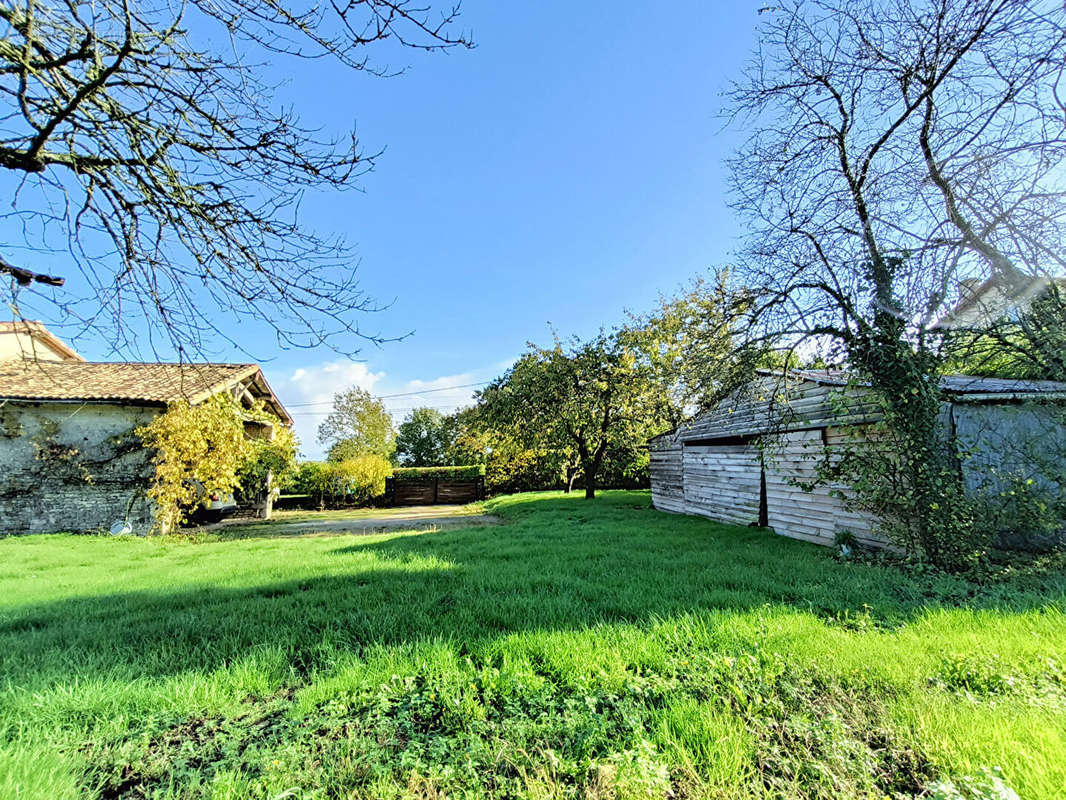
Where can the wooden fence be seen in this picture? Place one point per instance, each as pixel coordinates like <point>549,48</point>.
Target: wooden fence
<point>433,491</point>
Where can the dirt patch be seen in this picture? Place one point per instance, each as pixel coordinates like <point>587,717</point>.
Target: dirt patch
<point>349,526</point>
<point>378,525</point>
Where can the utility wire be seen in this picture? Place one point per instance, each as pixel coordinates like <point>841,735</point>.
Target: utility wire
<point>315,413</point>
<point>390,396</point>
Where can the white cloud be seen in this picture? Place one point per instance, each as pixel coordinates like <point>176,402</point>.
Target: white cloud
<point>308,394</point>
<point>445,393</point>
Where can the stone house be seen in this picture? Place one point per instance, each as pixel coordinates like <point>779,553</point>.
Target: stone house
<point>68,459</point>
<point>31,340</point>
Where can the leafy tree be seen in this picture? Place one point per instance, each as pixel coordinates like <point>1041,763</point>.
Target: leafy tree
<point>510,466</point>
<point>361,479</point>
<point>624,467</point>
<point>425,439</point>
<point>694,344</point>
<point>468,435</point>
<point>313,478</point>
<point>355,481</point>
<point>358,425</point>
<point>145,138</point>
<point>894,149</point>
<point>270,460</point>
<point>578,400</point>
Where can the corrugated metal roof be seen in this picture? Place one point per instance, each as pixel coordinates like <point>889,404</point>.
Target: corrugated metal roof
<point>968,384</point>
<point>949,384</point>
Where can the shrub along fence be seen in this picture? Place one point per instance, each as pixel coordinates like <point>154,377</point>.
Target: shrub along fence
<point>357,481</point>
<point>411,486</point>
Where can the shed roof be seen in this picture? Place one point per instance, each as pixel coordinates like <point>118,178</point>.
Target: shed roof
<point>781,395</point>
<point>949,384</point>
<point>131,382</point>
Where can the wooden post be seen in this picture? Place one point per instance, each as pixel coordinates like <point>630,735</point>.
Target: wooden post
<point>268,488</point>
<point>268,496</point>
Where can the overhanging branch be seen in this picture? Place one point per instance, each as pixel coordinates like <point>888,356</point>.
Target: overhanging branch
<point>25,277</point>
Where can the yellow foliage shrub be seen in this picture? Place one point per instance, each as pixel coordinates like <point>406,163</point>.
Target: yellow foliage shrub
<point>203,447</point>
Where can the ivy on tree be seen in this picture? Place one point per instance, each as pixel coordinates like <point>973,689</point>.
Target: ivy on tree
<point>893,151</point>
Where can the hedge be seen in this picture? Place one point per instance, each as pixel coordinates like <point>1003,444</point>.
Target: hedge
<point>465,473</point>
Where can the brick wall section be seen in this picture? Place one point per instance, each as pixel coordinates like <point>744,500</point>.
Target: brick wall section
<point>50,495</point>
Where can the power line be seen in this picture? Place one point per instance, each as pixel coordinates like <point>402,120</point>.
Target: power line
<point>441,389</point>
<point>390,396</point>
<point>390,410</point>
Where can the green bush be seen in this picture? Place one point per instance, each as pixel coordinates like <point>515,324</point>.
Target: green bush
<point>363,477</point>
<point>1019,512</point>
<point>513,470</point>
<point>463,473</point>
<point>352,481</point>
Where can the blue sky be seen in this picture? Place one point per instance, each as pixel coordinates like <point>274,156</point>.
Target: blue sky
<point>568,168</point>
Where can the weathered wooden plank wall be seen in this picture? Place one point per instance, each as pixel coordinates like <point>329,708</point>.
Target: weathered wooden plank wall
<point>814,516</point>
<point>667,476</point>
<point>692,474</point>
<point>711,468</point>
<point>723,482</point>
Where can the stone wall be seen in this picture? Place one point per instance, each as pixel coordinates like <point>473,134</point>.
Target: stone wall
<point>72,467</point>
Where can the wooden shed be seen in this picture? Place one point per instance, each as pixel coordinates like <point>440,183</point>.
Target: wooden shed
<point>743,461</point>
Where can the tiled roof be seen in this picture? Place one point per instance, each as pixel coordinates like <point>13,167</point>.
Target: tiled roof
<point>121,381</point>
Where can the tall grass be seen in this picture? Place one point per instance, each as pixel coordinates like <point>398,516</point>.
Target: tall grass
<point>584,649</point>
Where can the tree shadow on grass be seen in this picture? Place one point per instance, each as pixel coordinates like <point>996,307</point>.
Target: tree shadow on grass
<point>560,565</point>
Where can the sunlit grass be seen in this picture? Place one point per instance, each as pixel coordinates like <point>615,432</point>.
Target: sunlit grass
<point>596,649</point>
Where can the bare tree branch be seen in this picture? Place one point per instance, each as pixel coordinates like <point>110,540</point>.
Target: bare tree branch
<point>170,174</point>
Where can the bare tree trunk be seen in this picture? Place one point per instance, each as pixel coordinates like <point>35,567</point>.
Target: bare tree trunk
<point>572,471</point>
<point>592,470</point>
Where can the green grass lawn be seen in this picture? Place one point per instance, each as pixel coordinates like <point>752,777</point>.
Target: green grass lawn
<point>585,649</point>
